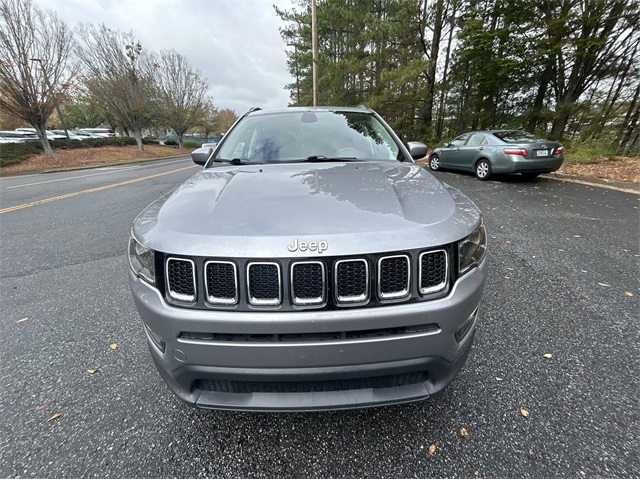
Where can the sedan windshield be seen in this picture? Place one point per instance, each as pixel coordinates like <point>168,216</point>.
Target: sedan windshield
<point>516,136</point>
<point>299,135</point>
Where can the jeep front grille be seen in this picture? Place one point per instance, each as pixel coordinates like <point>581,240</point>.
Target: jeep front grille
<point>221,282</point>
<point>181,279</point>
<point>264,284</point>
<point>434,271</point>
<point>308,283</point>
<point>393,276</point>
<point>352,281</point>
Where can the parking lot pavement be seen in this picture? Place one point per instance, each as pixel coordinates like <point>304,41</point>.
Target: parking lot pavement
<point>556,343</point>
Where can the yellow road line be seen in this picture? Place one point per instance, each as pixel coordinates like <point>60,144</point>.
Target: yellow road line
<point>90,190</point>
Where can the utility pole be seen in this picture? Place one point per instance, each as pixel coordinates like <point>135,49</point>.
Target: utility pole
<point>314,48</point>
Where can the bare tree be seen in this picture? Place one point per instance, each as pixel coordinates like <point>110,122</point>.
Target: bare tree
<point>118,73</point>
<point>34,53</point>
<point>216,121</point>
<point>207,122</point>
<point>224,119</point>
<point>180,92</point>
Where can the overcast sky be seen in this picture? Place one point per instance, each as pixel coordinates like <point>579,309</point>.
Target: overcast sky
<point>236,44</point>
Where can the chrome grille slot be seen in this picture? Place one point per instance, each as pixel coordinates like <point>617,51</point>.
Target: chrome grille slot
<point>352,281</point>
<point>264,284</point>
<point>434,271</point>
<point>181,279</point>
<point>308,281</point>
<point>221,282</point>
<point>393,277</point>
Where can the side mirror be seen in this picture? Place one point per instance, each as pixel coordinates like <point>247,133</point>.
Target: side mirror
<point>201,155</point>
<point>417,150</point>
<point>447,145</point>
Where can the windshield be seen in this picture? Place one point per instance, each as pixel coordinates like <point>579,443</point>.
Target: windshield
<point>318,135</point>
<point>516,136</point>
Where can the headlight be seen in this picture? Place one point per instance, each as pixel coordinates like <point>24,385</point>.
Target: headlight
<point>142,261</point>
<point>471,250</point>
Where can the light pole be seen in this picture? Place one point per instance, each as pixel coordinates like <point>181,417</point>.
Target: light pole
<point>314,51</point>
<point>55,100</point>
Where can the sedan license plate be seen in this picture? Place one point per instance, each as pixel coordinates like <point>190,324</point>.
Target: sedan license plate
<point>542,152</point>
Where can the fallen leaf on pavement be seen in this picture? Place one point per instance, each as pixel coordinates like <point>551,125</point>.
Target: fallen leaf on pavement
<point>604,284</point>
<point>40,408</point>
<point>59,380</point>
<point>54,417</point>
<point>21,320</point>
<point>628,293</point>
<point>498,378</point>
<point>113,346</point>
<point>432,448</point>
<point>464,432</point>
<point>548,355</point>
<point>524,412</point>
<point>92,371</point>
<point>507,242</point>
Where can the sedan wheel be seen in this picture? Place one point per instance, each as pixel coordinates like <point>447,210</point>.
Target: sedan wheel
<point>483,170</point>
<point>434,163</point>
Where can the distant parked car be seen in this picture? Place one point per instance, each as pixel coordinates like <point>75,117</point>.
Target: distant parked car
<point>85,134</point>
<point>17,136</point>
<point>50,134</point>
<point>104,132</point>
<point>72,135</point>
<point>500,151</point>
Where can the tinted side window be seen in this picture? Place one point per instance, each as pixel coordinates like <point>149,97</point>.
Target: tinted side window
<point>460,140</point>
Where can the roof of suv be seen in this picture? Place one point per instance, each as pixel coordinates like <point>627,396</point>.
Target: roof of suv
<point>294,109</point>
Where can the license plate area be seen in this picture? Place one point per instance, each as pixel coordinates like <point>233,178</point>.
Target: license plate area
<point>542,153</point>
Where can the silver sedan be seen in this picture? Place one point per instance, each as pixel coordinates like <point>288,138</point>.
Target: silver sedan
<point>502,151</point>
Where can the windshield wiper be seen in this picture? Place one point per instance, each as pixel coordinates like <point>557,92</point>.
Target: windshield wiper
<point>236,161</point>
<point>319,158</point>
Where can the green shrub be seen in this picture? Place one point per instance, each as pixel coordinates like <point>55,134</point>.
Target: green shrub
<point>191,144</point>
<point>12,153</point>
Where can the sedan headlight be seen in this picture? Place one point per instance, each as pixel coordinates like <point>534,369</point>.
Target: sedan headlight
<point>142,261</point>
<point>471,250</point>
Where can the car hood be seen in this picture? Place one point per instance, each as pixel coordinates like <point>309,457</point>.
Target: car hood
<point>260,210</point>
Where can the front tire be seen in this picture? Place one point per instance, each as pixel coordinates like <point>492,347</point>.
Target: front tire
<point>434,163</point>
<point>483,170</point>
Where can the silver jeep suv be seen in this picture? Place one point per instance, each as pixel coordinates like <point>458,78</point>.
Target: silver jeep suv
<point>310,265</point>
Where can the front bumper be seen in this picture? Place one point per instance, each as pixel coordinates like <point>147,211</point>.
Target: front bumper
<point>219,359</point>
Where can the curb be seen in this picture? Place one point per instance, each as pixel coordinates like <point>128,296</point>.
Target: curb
<point>88,166</point>
<point>626,186</point>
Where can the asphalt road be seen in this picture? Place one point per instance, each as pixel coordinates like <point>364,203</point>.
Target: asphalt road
<point>564,281</point>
